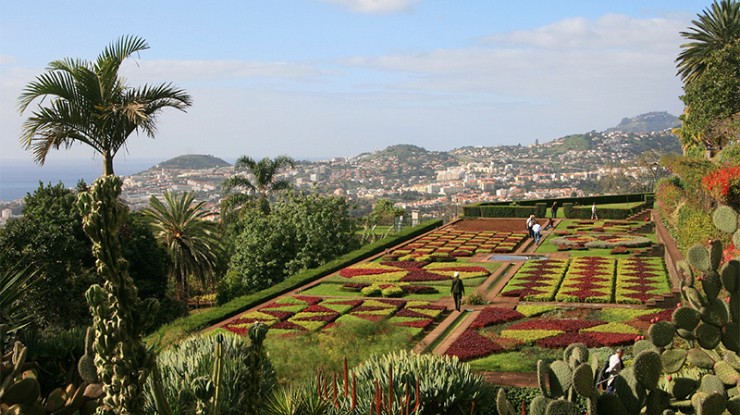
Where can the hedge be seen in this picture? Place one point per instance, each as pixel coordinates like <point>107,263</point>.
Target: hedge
<point>584,211</point>
<point>523,208</point>
<point>175,331</point>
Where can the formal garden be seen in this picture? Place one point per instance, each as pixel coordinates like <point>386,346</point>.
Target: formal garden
<point>310,310</point>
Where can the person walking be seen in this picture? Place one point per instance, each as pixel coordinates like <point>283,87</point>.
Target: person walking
<point>549,224</point>
<point>613,368</point>
<point>554,210</point>
<point>594,216</point>
<point>457,290</point>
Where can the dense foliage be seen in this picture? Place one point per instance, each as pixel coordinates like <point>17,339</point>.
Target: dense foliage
<point>301,232</point>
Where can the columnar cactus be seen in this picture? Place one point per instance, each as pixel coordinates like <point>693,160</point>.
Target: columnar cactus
<point>119,317</point>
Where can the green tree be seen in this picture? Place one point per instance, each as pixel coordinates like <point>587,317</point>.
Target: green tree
<point>717,28</point>
<point>259,178</point>
<point>302,232</point>
<point>89,103</point>
<point>181,225</point>
<point>709,65</point>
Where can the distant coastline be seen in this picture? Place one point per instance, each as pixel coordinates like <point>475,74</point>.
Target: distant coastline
<point>19,177</point>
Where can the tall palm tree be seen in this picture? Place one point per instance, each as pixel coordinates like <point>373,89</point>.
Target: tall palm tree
<point>89,103</point>
<point>191,240</point>
<point>717,27</point>
<point>260,179</point>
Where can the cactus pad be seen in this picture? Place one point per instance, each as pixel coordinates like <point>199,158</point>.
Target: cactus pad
<point>698,257</point>
<point>715,254</point>
<point>25,391</point>
<point>700,359</point>
<point>733,405</point>
<point>538,405</point>
<point>583,382</point>
<point>735,306</point>
<point>542,375</point>
<point>503,406</point>
<point>715,313</point>
<point>708,335</point>
<point>682,388</point>
<point>657,401</point>
<point>648,368</point>
<point>661,333</point>
<point>673,360</point>
<point>686,318</point>
<point>686,273</point>
<point>736,238</point>
<point>561,377</point>
<point>725,219</point>
<point>609,403</point>
<point>641,345</point>
<point>726,373</point>
<point>692,295</point>
<point>729,273</point>
<point>711,284</point>
<point>561,407</point>
<point>686,334</point>
<point>711,384</point>
<point>575,354</point>
<point>713,404</point>
<point>731,336</point>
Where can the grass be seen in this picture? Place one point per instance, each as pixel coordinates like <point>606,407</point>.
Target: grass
<point>524,360</point>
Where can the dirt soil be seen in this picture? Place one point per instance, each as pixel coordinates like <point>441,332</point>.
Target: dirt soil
<point>492,224</point>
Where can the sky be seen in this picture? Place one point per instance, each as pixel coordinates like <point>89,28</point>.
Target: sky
<point>315,79</point>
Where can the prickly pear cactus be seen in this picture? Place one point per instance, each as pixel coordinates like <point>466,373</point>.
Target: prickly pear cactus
<point>698,347</point>
<point>119,317</point>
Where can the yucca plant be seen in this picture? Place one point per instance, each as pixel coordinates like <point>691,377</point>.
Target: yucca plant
<point>13,284</point>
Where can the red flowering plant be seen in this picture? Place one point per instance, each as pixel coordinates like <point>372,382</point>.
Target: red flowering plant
<point>470,345</point>
<point>723,184</point>
<point>490,316</point>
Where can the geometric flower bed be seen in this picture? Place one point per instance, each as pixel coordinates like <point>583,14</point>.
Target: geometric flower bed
<point>536,280</point>
<point>605,226</point>
<point>550,330</point>
<point>458,243</point>
<point>409,271</point>
<point>588,279</point>
<point>292,315</point>
<point>601,240</point>
<point>633,280</point>
<point>640,279</point>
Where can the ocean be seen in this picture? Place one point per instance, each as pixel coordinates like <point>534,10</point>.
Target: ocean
<point>19,177</point>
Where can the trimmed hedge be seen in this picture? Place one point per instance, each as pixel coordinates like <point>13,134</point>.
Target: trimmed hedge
<point>173,332</point>
<point>523,208</point>
<point>584,211</point>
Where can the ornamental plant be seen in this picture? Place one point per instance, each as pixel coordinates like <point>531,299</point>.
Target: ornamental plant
<point>723,184</point>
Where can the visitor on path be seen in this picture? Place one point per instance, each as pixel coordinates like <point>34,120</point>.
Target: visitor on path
<point>594,216</point>
<point>536,231</point>
<point>554,210</point>
<point>613,368</point>
<point>530,222</point>
<point>549,224</point>
<point>457,290</point>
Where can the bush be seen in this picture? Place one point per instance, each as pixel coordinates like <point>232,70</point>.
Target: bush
<point>247,375</point>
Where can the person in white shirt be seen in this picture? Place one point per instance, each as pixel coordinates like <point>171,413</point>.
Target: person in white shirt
<point>615,366</point>
<point>594,216</point>
<point>536,231</point>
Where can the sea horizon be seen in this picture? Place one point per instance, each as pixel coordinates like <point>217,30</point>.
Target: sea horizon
<point>21,177</point>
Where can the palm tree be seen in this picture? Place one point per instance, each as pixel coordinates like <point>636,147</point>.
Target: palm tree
<point>89,103</point>
<point>717,28</point>
<point>191,240</point>
<point>260,179</point>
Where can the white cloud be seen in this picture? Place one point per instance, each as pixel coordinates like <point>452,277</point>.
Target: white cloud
<point>376,6</point>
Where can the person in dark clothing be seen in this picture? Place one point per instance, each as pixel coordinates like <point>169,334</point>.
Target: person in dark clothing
<point>554,210</point>
<point>457,290</point>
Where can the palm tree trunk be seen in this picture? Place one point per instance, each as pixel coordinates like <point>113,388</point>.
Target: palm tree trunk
<point>108,164</point>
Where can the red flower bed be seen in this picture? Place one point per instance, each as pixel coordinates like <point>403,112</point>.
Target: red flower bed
<point>494,315</point>
<point>422,275</point>
<point>405,264</point>
<point>354,272</point>
<point>566,339</point>
<point>371,317</point>
<point>318,309</point>
<point>554,324</point>
<point>319,317</point>
<point>419,323</point>
<point>287,325</point>
<point>410,313</point>
<point>723,184</point>
<point>309,300</point>
<point>418,289</point>
<point>665,315</point>
<point>611,339</point>
<point>281,315</point>
<point>240,331</point>
<point>471,345</point>
<point>363,308</point>
<point>355,286</point>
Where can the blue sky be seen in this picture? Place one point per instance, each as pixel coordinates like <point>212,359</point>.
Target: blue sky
<point>324,78</point>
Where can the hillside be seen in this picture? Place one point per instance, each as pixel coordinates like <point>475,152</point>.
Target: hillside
<point>192,162</point>
<point>647,123</point>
